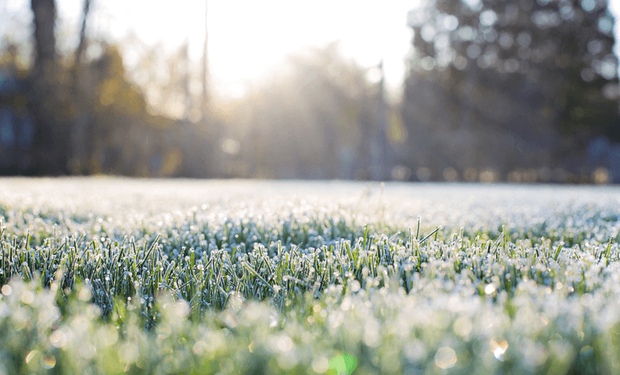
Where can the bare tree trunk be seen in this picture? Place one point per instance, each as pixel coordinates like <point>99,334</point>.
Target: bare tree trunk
<point>81,144</point>
<point>82,46</point>
<point>51,137</point>
<point>205,69</point>
<point>382,162</point>
<point>44,12</point>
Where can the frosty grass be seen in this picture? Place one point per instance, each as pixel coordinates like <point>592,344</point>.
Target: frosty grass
<point>110,276</point>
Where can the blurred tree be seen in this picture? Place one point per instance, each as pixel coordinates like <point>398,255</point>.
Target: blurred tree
<point>315,119</point>
<point>339,102</point>
<point>122,134</point>
<point>48,107</point>
<point>90,117</point>
<point>510,84</point>
<point>81,137</point>
<point>204,100</point>
<point>44,19</point>
<point>126,137</point>
<point>17,154</point>
<point>171,85</point>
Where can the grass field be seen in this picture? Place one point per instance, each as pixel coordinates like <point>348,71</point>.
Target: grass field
<point>111,276</point>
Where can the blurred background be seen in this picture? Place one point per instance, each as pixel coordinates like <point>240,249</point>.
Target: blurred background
<point>420,90</point>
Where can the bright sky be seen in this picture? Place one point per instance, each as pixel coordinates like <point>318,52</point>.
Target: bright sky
<point>248,38</point>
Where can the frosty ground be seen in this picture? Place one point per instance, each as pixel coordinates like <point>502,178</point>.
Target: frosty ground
<point>113,275</point>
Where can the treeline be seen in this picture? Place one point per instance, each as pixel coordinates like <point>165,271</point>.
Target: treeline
<point>522,90</point>
<point>81,113</point>
<point>519,91</point>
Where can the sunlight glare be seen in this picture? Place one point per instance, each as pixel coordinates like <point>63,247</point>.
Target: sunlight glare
<point>248,40</point>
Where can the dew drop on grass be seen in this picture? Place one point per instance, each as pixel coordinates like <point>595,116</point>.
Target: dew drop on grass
<point>27,297</point>
<point>31,355</point>
<point>49,362</point>
<point>7,290</point>
<point>498,348</point>
<point>445,357</point>
<point>489,289</point>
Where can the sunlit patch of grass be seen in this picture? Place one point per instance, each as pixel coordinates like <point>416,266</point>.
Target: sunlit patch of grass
<point>290,283</point>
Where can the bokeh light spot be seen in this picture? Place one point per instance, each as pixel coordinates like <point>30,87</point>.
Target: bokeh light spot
<point>445,357</point>
<point>6,290</point>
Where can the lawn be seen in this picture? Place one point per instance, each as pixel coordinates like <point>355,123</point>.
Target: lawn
<point>112,275</point>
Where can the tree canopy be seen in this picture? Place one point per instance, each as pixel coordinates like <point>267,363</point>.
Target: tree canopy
<point>522,81</point>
